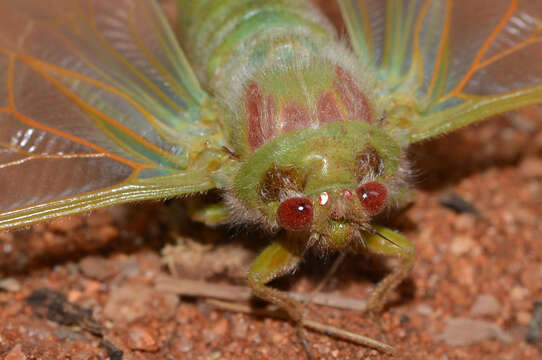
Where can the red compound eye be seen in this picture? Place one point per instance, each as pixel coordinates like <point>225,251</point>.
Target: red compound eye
<point>295,214</point>
<point>373,196</point>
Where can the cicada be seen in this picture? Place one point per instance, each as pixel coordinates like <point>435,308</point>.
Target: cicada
<point>303,135</point>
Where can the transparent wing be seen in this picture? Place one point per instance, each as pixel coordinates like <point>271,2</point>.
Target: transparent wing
<point>98,106</point>
<point>443,64</point>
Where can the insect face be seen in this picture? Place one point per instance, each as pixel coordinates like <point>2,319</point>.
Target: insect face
<point>333,219</point>
<point>327,182</point>
<point>343,218</point>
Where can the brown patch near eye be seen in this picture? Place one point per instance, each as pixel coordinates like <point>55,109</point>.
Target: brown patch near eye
<point>276,179</point>
<point>367,161</point>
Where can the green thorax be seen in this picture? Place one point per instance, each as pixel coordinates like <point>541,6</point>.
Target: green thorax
<point>276,67</point>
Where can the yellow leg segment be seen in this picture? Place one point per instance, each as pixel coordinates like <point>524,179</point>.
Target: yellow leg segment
<point>277,259</point>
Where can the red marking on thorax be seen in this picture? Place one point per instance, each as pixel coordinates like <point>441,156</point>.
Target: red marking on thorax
<point>260,116</point>
<point>328,109</point>
<point>294,117</point>
<point>352,97</point>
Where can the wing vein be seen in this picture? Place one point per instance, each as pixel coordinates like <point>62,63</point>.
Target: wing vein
<point>442,48</point>
<point>100,84</point>
<point>129,66</point>
<point>83,105</point>
<point>509,51</point>
<point>417,61</point>
<point>30,122</point>
<point>480,54</point>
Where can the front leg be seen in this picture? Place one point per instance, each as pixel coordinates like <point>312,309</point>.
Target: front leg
<point>389,243</point>
<point>208,213</point>
<point>277,259</point>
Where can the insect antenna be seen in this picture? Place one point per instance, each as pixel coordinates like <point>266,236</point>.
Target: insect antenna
<point>370,229</point>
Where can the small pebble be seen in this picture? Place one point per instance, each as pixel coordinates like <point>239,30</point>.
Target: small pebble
<point>277,338</point>
<point>103,234</point>
<point>97,268</point>
<point>531,277</point>
<point>240,328</point>
<point>12,309</point>
<point>208,335</point>
<point>465,222</point>
<point>10,285</point>
<point>74,295</point>
<point>215,355</point>
<point>523,318</point>
<point>485,305</point>
<point>464,331</point>
<point>130,302</point>
<point>424,310</point>
<point>531,167</point>
<point>185,345</point>
<point>139,337</point>
<point>221,327</point>
<point>15,354</point>
<point>130,268</point>
<point>518,293</point>
<point>461,245</point>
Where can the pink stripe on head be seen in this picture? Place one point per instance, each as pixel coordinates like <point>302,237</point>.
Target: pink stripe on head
<point>294,117</point>
<point>260,116</point>
<point>352,97</point>
<point>328,110</point>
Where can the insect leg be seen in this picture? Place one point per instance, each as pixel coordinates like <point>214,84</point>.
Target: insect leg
<point>277,259</point>
<point>386,242</point>
<point>210,214</point>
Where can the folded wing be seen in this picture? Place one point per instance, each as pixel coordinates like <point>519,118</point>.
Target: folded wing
<point>98,106</point>
<point>449,63</point>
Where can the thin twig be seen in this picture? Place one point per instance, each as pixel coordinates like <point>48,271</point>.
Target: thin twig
<point>313,325</point>
<point>205,289</point>
<point>195,288</point>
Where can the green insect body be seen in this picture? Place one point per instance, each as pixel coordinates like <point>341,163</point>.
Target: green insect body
<point>301,118</point>
<point>304,134</point>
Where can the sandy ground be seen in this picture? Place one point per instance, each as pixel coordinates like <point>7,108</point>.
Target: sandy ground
<point>471,294</point>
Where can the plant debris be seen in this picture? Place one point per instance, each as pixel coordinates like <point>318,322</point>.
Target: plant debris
<point>54,306</point>
<point>457,203</point>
